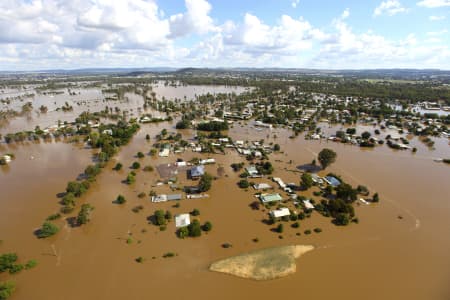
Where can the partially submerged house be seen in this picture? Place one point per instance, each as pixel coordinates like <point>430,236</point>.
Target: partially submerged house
<point>332,180</point>
<point>164,152</point>
<point>182,220</point>
<point>251,170</point>
<point>262,186</point>
<point>164,198</point>
<point>197,172</point>
<point>278,213</point>
<point>265,198</point>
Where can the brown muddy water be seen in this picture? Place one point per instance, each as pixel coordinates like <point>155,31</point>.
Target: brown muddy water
<point>382,257</point>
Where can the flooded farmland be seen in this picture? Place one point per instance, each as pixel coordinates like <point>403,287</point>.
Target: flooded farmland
<point>404,237</point>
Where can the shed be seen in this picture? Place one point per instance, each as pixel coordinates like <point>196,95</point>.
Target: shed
<point>182,220</point>
<point>278,213</point>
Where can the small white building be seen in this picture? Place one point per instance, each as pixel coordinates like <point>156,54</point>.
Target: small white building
<point>308,204</point>
<point>164,152</point>
<point>182,220</point>
<point>262,186</point>
<point>278,213</point>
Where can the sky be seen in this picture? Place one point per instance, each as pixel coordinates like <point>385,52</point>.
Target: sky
<point>324,34</point>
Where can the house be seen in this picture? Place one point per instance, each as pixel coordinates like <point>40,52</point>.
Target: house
<point>278,213</point>
<point>182,220</point>
<point>164,152</point>
<point>332,180</point>
<point>164,198</point>
<point>207,161</point>
<point>262,186</point>
<point>197,171</point>
<point>316,178</point>
<point>265,198</point>
<point>108,131</point>
<point>308,204</point>
<point>280,182</point>
<point>251,170</point>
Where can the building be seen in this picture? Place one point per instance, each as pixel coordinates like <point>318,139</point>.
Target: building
<point>332,180</point>
<point>197,171</point>
<point>164,152</point>
<point>308,204</point>
<point>251,170</point>
<point>316,178</point>
<point>182,220</point>
<point>262,186</point>
<point>278,213</point>
<point>265,198</point>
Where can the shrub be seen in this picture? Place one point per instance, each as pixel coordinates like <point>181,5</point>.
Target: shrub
<point>30,264</point>
<point>195,212</point>
<point>243,184</point>
<point>118,167</point>
<point>120,199</point>
<point>307,231</point>
<point>140,154</point>
<point>207,226</point>
<point>136,165</point>
<point>48,229</point>
<point>148,168</point>
<point>317,230</point>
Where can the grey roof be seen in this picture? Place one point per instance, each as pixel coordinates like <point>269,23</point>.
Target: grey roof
<point>197,171</point>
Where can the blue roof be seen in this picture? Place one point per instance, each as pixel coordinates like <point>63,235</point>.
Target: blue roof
<point>197,171</point>
<point>332,180</point>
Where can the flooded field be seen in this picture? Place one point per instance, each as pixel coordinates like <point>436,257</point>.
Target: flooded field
<point>382,257</point>
<point>404,236</point>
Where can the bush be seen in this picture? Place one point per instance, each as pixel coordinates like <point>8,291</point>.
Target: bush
<point>48,229</point>
<point>53,217</point>
<point>118,167</point>
<point>243,184</point>
<point>120,199</point>
<point>30,264</point>
<point>207,226</point>
<point>295,225</point>
<point>280,228</point>
<point>140,154</point>
<point>195,212</point>
<point>195,229</point>
<point>148,168</point>
<point>317,230</point>
<point>6,290</point>
<point>135,165</point>
<point>307,231</point>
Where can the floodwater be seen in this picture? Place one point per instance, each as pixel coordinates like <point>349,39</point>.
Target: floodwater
<point>382,257</point>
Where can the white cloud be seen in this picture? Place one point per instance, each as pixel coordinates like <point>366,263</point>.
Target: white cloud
<point>195,20</point>
<point>295,3</point>
<point>390,8</point>
<point>434,3</point>
<point>345,14</point>
<point>436,18</point>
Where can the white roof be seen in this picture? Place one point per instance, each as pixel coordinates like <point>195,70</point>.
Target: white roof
<point>182,220</point>
<point>164,153</point>
<point>262,186</point>
<point>308,204</point>
<point>278,213</point>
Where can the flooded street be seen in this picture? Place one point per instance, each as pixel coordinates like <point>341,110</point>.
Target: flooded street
<point>95,261</point>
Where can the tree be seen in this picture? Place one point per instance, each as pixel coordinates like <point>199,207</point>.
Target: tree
<point>195,212</point>
<point>326,157</point>
<point>365,135</point>
<point>280,228</point>
<point>342,219</point>
<point>140,154</point>
<point>160,217</point>
<point>375,198</point>
<point>183,232</point>
<point>307,180</point>
<point>207,226</point>
<point>118,167</point>
<point>276,147</point>
<point>135,165</point>
<point>120,199</point>
<point>84,214</point>
<point>195,229</point>
<point>6,289</point>
<point>346,192</point>
<point>130,178</point>
<point>243,184</point>
<point>205,182</point>
<point>47,229</point>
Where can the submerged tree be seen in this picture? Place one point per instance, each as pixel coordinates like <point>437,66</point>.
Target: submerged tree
<point>327,157</point>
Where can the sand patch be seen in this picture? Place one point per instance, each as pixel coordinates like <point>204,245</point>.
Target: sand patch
<point>263,264</point>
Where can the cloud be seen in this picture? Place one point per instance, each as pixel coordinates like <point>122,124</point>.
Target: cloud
<point>390,8</point>
<point>288,36</point>
<point>295,3</point>
<point>345,13</point>
<point>434,3</point>
<point>195,20</point>
<point>436,18</point>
